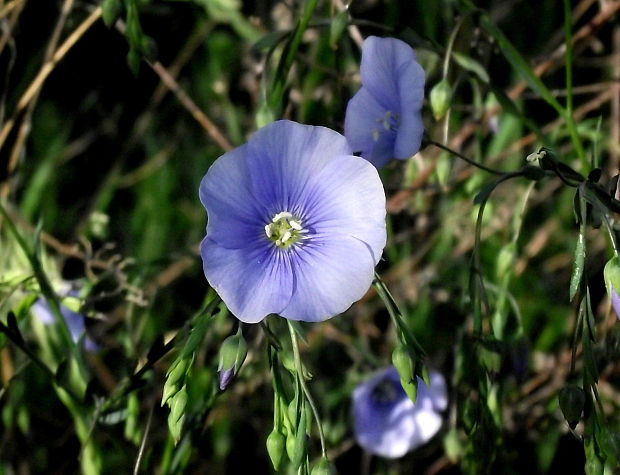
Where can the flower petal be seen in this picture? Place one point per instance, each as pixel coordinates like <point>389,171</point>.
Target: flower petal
<point>236,217</point>
<point>364,130</point>
<point>393,428</point>
<point>284,158</point>
<point>253,282</point>
<point>383,62</point>
<point>348,200</point>
<point>329,276</point>
<point>411,97</point>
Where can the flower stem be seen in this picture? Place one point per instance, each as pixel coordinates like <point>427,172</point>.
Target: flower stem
<point>463,157</point>
<point>304,387</point>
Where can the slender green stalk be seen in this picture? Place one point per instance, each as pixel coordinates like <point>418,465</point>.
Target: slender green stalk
<point>568,61</point>
<point>465,158</point>
<point>304,387</point>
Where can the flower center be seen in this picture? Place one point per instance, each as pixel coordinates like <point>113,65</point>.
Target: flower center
<point>386,392</point>
<point>284,229</point>
<point>389,122</point>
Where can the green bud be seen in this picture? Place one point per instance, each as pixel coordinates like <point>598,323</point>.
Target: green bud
<point>178,404</point>
<point>176,418</point>
<point>275,447</point>
<point>232,355</point>
<point>174,380</point>
<point>402,361</point>
<point>612,275</point>
<point>322,468</point>
<point>290,446</point>
<point>452,446</point>
<point>299,450</point>
<point>404,364</point>
<point>441,97</point>
<point>572,400</point>
<point>110,10</point>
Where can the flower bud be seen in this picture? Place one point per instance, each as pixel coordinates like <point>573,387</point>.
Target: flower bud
<point>612,282</point>
<point>441,97</point>
<point>111,9</point>
<point>404,364</point>
<point>275,447</point>
<point>232,354</point>
<point>572,400</point>
<point>322,468</point>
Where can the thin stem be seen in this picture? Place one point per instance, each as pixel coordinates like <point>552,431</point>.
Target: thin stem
<point>47,68</point>
<point>396,315</point>
<point>466,159</point>
<point>304,387</point>
<point>612,235</point>
<point>446,61</point>
<point>136,468</point>
<point>568,61</point>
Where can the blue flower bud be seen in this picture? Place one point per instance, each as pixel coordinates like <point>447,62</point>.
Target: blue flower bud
<point>232,354</point>
<point>612,282</point>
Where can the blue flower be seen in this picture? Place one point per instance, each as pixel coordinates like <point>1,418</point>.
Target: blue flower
<point>74,321</point>
<point>296,224</point>
<point>384,118</point>
<point>387,422</point>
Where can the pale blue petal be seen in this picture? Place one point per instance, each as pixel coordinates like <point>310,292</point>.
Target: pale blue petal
<point>411,98</point>
<point>615,302</point>
<point>348,200</point>
<point>329,276</point>
<point>393,428</point>
<point>253,282</point>
<point>74,321</point>
<point>235,217</point>
<point>285,157</point>
<point>364,129</point>
<point>383,62</point>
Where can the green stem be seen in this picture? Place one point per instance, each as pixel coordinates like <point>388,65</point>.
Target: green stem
<point>465,158</point>
<point>612,235</point>
<point>304,387</point>
<point>289,54</point>
<point>396,315</point>
<point>568,60</point>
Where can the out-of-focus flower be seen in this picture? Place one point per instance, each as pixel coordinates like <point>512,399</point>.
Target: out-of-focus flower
<point>384,118</point>
<point>296,224</point>
<point>74,320</point>
<point>387,422</point>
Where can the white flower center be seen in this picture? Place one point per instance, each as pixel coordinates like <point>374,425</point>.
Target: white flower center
<point>284,229</point>
<point>389,121</point>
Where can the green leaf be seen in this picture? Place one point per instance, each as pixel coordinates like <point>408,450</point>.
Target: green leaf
<point>471,65</point>
<point>520,65</point>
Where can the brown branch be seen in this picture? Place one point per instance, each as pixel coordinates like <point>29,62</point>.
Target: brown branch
<point>46,70</point>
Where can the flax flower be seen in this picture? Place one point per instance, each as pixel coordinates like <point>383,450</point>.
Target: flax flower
<point>75,321</point>
<point>387,422</point>
<point>296,224</point>
<point>384,120</point>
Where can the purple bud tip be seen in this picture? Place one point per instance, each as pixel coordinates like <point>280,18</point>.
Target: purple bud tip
<point>615,302</point>
<point>225,378</point>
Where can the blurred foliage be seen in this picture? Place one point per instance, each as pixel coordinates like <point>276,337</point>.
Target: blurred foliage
<point>106,129</point>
